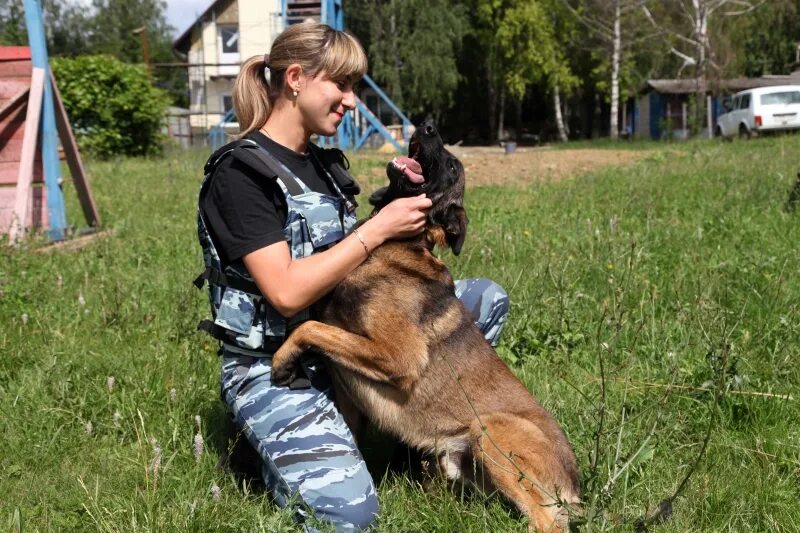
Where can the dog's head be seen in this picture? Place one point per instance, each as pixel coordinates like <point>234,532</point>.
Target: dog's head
<point>430,169</point>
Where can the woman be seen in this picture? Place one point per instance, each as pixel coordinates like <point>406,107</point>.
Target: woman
<point>275,220</point>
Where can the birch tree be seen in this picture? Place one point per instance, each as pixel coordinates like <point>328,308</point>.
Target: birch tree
<point>606,20</point>
<point>689,39</point>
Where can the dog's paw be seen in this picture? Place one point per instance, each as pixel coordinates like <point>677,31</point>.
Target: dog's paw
<point>285,363</point>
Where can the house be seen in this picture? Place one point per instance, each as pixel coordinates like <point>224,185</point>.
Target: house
<point>225,34</point>
<point>661,109</point>
<point>228,32</point>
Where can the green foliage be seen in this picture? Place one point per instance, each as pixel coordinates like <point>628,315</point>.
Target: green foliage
<point>113,107</point>
<point>12,24</point>
<point>770,39</point>
<point>412,46</point>
<point>529,51</point>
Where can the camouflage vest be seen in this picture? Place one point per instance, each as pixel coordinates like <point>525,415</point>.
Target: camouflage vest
<point>242,318</point>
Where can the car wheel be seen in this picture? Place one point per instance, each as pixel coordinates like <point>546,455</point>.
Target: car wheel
<point>744,133</point>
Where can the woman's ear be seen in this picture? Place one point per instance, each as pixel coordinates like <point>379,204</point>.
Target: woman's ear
<point>293,78</point>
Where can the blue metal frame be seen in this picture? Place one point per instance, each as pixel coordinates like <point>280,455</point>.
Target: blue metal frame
<point>349,135</point>
<point>49,135</point>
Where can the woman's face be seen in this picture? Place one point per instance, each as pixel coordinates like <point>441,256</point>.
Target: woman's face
<point>323,102</point>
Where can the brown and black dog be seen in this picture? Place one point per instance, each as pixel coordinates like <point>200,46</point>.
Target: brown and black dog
<point>405,351</point>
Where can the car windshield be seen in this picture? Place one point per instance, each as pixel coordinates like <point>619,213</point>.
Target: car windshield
<point>781,98</point>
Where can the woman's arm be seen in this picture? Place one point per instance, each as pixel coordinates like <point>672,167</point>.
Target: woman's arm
<point>291,286</point>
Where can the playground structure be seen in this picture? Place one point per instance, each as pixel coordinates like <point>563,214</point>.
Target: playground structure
<point>358,126</point>
<point>32,119</point>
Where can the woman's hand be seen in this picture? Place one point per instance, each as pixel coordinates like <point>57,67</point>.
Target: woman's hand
<point>401,218</point>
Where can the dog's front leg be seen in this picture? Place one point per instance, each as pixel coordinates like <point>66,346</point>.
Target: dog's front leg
<point>395,363</point>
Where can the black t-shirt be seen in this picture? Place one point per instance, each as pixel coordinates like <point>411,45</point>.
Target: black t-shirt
<point>246,211</point>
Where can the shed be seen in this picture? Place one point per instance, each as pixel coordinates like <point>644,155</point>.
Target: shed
<point>660,110</point>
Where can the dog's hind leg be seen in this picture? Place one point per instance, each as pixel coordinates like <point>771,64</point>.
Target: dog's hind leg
<point>519,460</point>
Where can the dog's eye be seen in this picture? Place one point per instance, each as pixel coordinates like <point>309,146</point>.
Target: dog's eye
<point>451,167</point>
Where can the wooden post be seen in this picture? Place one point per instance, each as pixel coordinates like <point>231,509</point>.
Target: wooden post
<point>709,117</point>
<point>684,122</point>
<point>74,159</point>
<point>25,175</point>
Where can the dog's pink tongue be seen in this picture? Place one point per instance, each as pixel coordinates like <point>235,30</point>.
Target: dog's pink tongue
<point>413,170</point>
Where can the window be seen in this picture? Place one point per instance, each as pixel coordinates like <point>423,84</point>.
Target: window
<point>227,103</point>
<point>228,46</point>
<point>229,37</point>
<point>781,98</point>
<point>744,103</point>
<point>736,101</point>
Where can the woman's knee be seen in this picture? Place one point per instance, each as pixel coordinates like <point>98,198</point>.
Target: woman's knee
<point>489,304</point>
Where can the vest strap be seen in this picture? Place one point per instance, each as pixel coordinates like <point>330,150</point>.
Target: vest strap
<point>258,158</point>
<point>224,335</point>
<point>215,277</point>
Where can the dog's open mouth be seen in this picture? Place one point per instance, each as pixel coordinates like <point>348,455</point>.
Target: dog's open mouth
<point>409,166</point>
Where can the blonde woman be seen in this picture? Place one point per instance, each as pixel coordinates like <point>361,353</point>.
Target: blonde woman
<point>275,219</point>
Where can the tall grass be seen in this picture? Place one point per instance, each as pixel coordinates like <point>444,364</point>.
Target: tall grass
<point>649,304</point>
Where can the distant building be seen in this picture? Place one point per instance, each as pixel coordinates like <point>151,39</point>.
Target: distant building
<point>661,108</point>
<point>227,32</point>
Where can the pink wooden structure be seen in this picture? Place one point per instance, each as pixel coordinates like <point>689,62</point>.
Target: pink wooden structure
<point>23,194</point>
<point>15,85</point>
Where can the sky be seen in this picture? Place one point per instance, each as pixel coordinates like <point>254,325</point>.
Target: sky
<point>182,13</point>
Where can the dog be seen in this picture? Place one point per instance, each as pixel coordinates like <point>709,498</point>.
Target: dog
<point>405,352</point>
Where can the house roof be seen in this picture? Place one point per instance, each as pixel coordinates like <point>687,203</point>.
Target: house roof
<point>687,86</point>
<point>182,43</point>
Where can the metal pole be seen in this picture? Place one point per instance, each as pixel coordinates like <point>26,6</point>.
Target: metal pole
<point>49,134</point>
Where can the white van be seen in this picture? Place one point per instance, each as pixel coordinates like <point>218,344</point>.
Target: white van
<point>761,110</point>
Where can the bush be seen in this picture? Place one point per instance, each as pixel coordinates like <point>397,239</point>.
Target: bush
<point>113,106</point>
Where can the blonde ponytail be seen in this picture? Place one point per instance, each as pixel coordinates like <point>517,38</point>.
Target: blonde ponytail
<point>315,47</point>
<point>251,95</point>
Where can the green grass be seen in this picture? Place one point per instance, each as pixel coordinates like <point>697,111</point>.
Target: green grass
<point>678,273</point>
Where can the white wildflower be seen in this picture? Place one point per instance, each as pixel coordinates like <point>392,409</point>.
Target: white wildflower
<point>198,447</point>
<point>197,421</point>
<point>89,427</point>
<point>155,463</point>
<point>110,383</point>
<point>81,299</point>
<point>59,281</point>
<point>24,318</point>
<point>117,418</point>
<point>216,493</point>
<point>173,394</point>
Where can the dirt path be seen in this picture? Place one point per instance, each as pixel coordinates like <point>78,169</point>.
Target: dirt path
<point>491,166</point>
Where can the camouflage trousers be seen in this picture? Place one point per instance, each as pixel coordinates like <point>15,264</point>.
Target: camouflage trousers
<point>310,459</point>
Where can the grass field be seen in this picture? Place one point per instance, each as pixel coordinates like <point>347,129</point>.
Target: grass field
<point>652,306</point>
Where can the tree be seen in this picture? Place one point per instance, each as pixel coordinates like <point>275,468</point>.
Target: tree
<point>522,51</point>
<point>605,19</point>
<point>770,39</point>
<point>412,47</point>
<point>688,34</point>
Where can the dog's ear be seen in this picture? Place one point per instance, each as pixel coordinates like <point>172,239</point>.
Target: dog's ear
<point>455,227</point>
